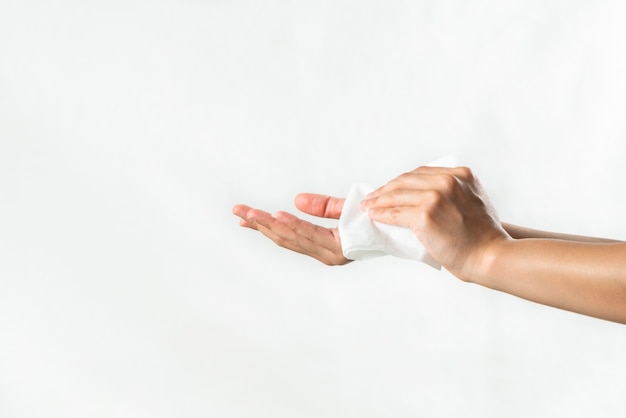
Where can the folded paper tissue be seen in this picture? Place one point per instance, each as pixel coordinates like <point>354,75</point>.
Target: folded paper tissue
<point>362,238</point>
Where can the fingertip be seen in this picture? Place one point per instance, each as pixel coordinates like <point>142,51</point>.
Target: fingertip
<point>240,209</point>
<point>301,200</point>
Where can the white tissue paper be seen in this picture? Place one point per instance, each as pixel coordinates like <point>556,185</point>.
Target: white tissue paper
<point>362,238</point>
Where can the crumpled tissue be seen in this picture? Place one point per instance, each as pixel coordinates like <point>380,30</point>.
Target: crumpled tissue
<point>362,238</point>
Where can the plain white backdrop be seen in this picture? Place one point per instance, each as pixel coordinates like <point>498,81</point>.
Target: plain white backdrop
<point>128,130</point>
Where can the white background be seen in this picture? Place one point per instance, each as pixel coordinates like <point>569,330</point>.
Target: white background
<point>128,130</point>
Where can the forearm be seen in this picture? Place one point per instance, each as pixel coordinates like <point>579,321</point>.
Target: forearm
<point>588,278</point>
<point>520,232</point>
<point>450,215</point>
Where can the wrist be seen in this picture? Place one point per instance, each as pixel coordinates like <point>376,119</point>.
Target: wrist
<point>484,267</point>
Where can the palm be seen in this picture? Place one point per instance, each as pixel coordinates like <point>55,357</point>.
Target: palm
<point>291,232</point>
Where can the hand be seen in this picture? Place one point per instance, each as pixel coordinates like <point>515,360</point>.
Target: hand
<point>448,212</point>
<point>295,234</point>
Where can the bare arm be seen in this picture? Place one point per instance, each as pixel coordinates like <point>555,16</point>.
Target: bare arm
<point>450,214</point>
<point>452,217</point>
<point>520,232</point>
<point>583,277</point>
<point>573,272</point>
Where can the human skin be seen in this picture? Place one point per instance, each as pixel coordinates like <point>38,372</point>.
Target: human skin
<point>450,214</point>
<point>296,234</point>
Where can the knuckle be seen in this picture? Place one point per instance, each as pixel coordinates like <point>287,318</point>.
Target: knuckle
<point>433,199</point>
<point>449,182</point>
<point>394,214</point>
<point>465,173</point>
<point>427,218</point>
<point>404,178</point>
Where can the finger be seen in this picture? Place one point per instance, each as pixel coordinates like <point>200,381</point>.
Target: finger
<point>463,173</point>
<point>288,231</point>
<point>320,205</point>
<point>407,216</point>
<point>302,229</point>
<point>248,215</point>
<point>306,234</point>
<point>423,207</point>
<point>406,180</point>
<point>283,228</point>
<point>398,197</point>
<point>385,187</point>
<point>271,227</point>
<point>245,224</point>
<point>442,181</point>
<point>242,211</point>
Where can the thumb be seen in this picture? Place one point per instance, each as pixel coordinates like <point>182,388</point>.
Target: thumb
<point>319,205</point>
